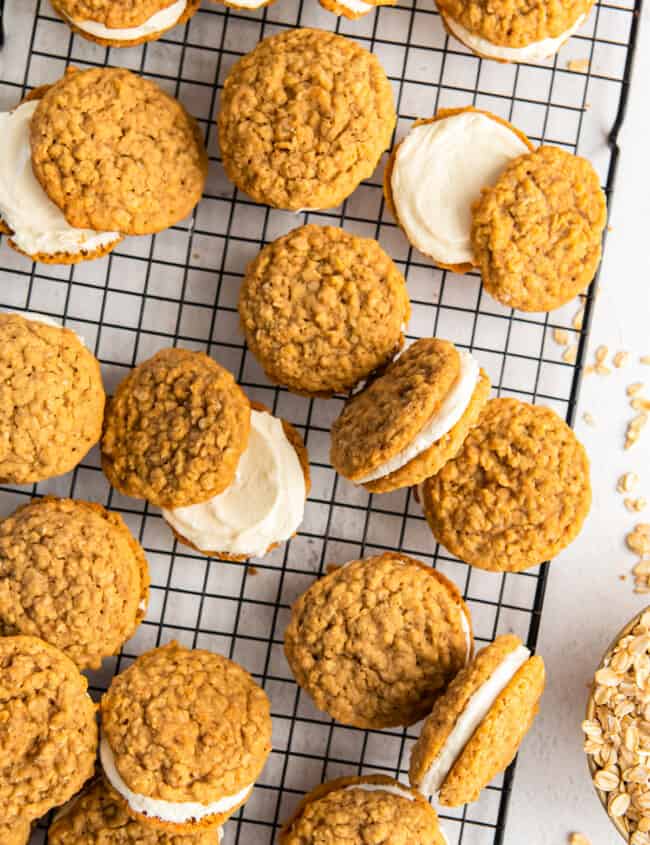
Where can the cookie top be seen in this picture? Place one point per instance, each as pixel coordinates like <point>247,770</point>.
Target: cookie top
<point>206,717</point>
<point>322,309</point>
<point>48,733</point>
<point>516,493</point>
<point>375,641</point>
<point>537,232</point>
<point>16,833</point>
<point>117,14</point>
<point>346,809</point>
<point>51,400</point>
<point>175,429</point>
<point>116,153</point>
<point>72,574</point>
<point>304,119</point>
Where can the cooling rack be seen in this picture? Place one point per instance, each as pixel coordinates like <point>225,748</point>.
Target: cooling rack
<point>180,288</point>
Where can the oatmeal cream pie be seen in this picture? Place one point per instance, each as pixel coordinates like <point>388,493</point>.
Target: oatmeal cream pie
<point>376,641</point>
<point>537,232</point>
<point>185,735</point>
<point>265,503</point>
<point>175,430</point>
<point>51,399</point>
<point>304,119</point>
<point>322,309</point>
<point>478,723</point>
<point>517,492</point>
<point>343,811</point>
<point>520,31</point>
<point>48,732</point>
<point>438,170</point>
<point>124,23</point>
<point>353,9</point>
<point>412,419</point>
<point>72,574</point>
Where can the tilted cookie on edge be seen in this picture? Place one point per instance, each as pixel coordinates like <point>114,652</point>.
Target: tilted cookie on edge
<point>478,724</point>
<point>353,9</point>
<point>410,420</point>
<point>374,642</point>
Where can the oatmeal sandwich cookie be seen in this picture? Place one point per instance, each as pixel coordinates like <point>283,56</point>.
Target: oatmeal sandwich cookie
<point>478,724</point>
<point>265,503</point>
<point>375,641</point>
<point>343,811</point>
<point>517,492</point>
<point>410,420</point>
<point>210,726</point>
<point>52,399</point>
<point>353,9</point>
<point>48,733</point>
<point>438,170</point>
<point>304,119</point>
<point>537,233</point>
<point>72,574</point>
<point>175,430</point>
<point>322,309</point>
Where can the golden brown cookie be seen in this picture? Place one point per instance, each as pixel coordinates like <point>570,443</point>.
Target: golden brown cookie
<point>353,9</point>
<point>517,492</point>
<point>48,733</point>
<point>411,419</point>
<point>116,153</point>
<point>349,810</point>
<point>304,118</point>
<point>322,309</point>
<point>537,233</point>
<point>72,574</point>
<point>51,400</point>
<point>477,725</point>
<point>183,727</point>
<point>16,833</point>
<point>175,430</point>
<point>375,641</point>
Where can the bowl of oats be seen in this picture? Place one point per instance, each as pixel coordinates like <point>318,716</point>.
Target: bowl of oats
<point>617,731</point>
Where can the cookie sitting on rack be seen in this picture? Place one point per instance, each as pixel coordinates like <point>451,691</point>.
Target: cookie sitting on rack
<point>354,9</point>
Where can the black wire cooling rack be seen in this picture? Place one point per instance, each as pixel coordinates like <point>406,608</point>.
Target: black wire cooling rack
<point>180,288</point>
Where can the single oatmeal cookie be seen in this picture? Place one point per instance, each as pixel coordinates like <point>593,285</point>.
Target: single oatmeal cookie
<point>175,430</point>
<point>304,118</point>
<point>185,735</point>
<point>375,641</point>
<point>48,732</point>
<point>51,400</point>
<point>537,232</point>
<point>517,492</point>
<point>72,574</point>
<point>322,309</point>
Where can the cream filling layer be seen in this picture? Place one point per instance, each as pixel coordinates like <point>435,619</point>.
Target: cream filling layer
<point>247,4</point>
<point>402,792</point>
<point>464,621</point>
<point>264,505</point>
<point>162,20</point>
<point>356,6</point>
<point>451,410</point>
<point>439,171</point>
<point>166,811</point>
<point>535,51</point>
<point>476,709</point>
<point>38,225</point>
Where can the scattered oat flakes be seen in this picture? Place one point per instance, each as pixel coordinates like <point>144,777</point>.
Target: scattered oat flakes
<point>635,505</point>
<point>589,369</point>
<point>627,482</point>
<point>578,319</point>
<point>602,370</point>
<point>640,404</point>
<point>578,839</point>
<point>638,540</point>
<point>601,353</point>
<point>589,419</point>
<point>634,388</point>
<point>581,65</point>
<point>561,337</point>
<point>621,359</point>
<point>570,354</point>
<point>634,429</point>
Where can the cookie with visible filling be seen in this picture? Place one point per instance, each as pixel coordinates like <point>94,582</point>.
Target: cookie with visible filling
<point>376,641</point>
<point>353,9</point>
<point>322,309</point>
<point>411,419</point>
<point>210,726</point>
<point>477,725</point>
<point>516,494</point>
<point>304,118</point>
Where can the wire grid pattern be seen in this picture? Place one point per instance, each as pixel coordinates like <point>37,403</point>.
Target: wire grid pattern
<point>180,288</point>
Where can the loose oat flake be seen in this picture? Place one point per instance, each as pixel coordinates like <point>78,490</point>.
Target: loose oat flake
<point>578,839</point>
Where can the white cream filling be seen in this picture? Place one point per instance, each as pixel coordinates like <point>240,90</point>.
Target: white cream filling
<point>37,223</point>
<point>247,4</point>
<point>356,6</point>
<point>166,811</point>
<point>162,20</point>
<point>263,505</point>
<point>439,171</point>
<point>450,411</point>
<point>536,51</point>
<point>476,709</point>
<point>402,792</point>
<point>464,621</point>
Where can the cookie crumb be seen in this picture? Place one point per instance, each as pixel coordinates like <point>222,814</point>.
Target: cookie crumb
<point>561,337</point>
<point>570,354</point>
<point>578,839</point>
<point>253,570</point>
<point>640,404</point>
<point>601,354</point>
<point>580,65</point>
<point>638,540</point>
<point>634,429</point>
<point>634,388</point>
<point>635,505</point>
<point>621,358</point>
<point>578,319</point>
<point>589,419</point>
<point>627,482</point>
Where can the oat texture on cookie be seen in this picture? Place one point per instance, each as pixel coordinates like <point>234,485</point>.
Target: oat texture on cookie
<point>304,118</point>
<point>16,833</point>
<point>322,309</point>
